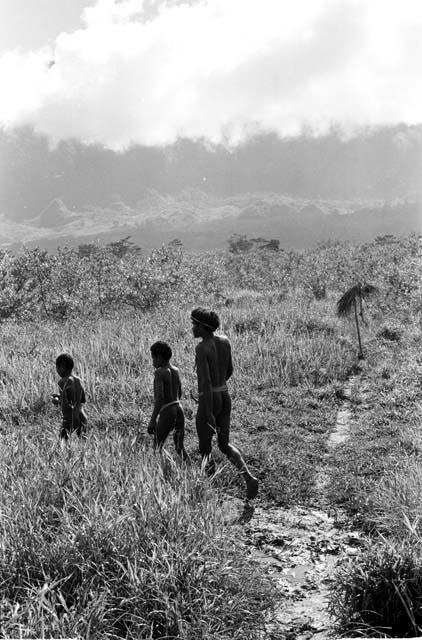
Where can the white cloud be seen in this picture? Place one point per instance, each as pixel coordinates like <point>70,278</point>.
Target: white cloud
<point>219,69</point>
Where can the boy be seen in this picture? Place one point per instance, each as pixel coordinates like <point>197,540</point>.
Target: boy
<point>71,397</point>
<point>214,367</point>
<point>168,413</point>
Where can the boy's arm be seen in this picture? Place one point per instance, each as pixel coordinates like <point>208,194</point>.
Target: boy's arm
<point>158,399</point>
<point>68,393</point>
<point>56,398</point>
<point>204,381</point>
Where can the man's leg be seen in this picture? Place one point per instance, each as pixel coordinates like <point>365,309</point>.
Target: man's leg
<point>205,433</point>
<point>232,453</point>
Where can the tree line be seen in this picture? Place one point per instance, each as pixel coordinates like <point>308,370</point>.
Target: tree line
<point>380,163</point>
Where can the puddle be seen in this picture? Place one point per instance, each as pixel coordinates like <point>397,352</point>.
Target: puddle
<point>298,548</point>
<point>297,575</point>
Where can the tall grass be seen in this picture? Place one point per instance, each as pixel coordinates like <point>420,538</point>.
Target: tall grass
<point>105,539</point>
<point>378,480</point>
<point>378,593</point>
<point>276,375</point>
<point>101,539</point>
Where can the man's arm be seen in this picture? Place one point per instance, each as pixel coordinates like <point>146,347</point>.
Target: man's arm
<point>230,363</point>
<point>179,386</point>
<point>158,399</point>
<point>204,380</point>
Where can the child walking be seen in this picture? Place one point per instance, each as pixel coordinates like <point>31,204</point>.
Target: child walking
<point>70,398</point>
<point>168,413</point>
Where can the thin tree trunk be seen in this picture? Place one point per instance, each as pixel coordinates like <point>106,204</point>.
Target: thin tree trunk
<point>357,327</point>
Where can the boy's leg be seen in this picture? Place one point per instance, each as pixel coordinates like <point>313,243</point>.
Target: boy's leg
<point>179,435</point>
<point>205,434</point>
<point>232,453</point>
<point>83,421</point>
<point>164,425</point>
<point>81,430</point>
<point>65,430</point>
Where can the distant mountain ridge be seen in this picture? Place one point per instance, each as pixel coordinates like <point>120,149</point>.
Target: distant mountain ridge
<point>293,189</point>
<point>201,221</point>
<point>383,163</point>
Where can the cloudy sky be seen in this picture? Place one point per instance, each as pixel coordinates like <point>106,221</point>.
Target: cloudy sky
<point>149,71</point>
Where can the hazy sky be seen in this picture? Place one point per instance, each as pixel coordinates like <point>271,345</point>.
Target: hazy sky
<point>149,71</point>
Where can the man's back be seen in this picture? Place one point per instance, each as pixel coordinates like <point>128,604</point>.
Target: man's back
<point>214,367</point>
<point>215,352</point>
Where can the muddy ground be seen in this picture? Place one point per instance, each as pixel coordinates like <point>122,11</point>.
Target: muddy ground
<point>299,547</point>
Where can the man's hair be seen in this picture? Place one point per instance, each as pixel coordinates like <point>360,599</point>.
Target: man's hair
<point>208,319</point>
<point>66,360</point>
<point>161,349</point>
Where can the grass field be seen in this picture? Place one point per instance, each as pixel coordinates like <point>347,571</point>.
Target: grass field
<point>377,478</point>
<point>106,539</point>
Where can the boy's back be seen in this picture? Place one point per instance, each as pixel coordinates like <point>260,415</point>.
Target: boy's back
<point>71,398</point>
<point>168,413</point>
<point>167,384</point>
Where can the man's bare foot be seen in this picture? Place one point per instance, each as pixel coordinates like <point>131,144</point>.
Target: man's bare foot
<point>251,488</point>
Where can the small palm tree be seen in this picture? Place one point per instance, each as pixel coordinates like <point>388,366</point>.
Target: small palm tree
<point>350,300</point>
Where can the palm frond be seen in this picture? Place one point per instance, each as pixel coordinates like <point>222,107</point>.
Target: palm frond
<point>352,295</point>
<point>345,304</point>
<point>368,289</point>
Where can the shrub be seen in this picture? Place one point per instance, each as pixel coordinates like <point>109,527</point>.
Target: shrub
<point>379,592</point>
<point>393,334</point>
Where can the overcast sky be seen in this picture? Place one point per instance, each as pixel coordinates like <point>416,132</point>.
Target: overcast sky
<point>149,71</point>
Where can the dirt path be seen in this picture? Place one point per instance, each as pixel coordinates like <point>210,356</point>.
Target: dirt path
<point>300,547</point>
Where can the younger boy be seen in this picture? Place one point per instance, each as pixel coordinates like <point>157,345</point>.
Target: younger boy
<point>70,398</point>
<point>168,413</point>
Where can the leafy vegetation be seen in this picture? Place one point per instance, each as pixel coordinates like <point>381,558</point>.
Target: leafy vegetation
<point>353,298</point>
<point>376,479</point>
<point>103,538</point>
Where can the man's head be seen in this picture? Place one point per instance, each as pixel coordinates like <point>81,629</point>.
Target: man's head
<point>204,322</point>
<point>64,364</point>
<point>160,353</point>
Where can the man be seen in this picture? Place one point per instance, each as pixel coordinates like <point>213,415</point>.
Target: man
<point>214,367</point>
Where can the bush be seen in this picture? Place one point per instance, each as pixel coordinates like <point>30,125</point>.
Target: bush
<point>379,592</point>
<point>393,334</point>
